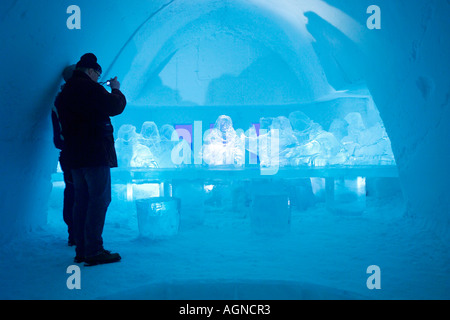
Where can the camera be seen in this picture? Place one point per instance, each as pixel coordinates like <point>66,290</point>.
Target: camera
<point>108,83</point>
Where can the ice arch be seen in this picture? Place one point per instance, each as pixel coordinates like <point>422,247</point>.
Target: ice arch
<point>401,65</point>
<point>199,42</point>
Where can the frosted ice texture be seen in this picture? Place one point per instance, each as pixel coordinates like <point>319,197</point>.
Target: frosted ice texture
<point>150,136</point>
<point>366,145</point>
<point>300,142</point>
<point>125,144</point>
<point>223,145</point>
<point>150,148</point>
<point>131,152</point>
<point>168,142</point>
<point>158,218</point>
<point>347,196</point>
<point>348,142</point>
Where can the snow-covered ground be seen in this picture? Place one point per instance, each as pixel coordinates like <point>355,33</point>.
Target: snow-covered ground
<point>324,256</point>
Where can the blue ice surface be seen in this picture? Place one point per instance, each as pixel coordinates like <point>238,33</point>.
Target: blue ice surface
<point>249,60</point>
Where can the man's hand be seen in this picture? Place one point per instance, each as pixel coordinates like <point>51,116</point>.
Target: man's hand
<point>114,84</point>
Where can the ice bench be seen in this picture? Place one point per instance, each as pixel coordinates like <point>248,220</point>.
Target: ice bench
<point>345,186</point>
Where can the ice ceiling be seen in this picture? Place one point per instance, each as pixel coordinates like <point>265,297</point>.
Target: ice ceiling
<point>222,52</point>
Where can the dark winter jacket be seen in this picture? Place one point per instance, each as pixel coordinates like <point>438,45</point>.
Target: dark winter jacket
<point>58,139</point>
<point>84,108</point>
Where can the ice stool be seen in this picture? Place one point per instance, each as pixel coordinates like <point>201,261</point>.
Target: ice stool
<point>346,196</point>
<point>158,218</point>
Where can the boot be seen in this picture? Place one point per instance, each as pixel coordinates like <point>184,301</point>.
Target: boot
<point>102,258</point>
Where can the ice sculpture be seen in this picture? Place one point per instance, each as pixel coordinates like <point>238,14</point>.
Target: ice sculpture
<point>169,150</point>
<point>169,139</point>
<point>251,144</point>
<point>281,142</point>
<point>166,132</point>
<point>302,126</point>
<point>265,123</point>
<point>331,150</point>
<point>354,129</point>
<point>268,143</point>
<point>222,145</point>
<point>125,143</point>
<point>143,157</point>
<point>304,142</point>
<point>375,146</point>
<point>130,151</point>
<point>150,136</point>
<point>306,148</point>
<point>286,140</point>
<point>339,128</point>
<point>366,145</point>
<point>151,149</point>
<point>348,141</point>
<point>299,121</point>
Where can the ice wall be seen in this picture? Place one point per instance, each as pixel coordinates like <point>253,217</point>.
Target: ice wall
<point>155,47</point>
<point>36,46</point>
<point>406,69</point>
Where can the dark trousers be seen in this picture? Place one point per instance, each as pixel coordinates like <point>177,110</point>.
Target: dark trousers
<point>92,198</point>
<point>69,198</point>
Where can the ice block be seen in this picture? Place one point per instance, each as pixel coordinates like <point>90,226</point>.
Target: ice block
<point>158,218</point>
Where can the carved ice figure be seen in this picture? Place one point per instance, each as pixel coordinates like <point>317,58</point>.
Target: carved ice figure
<point>222,145</point>
<point>127,139</point>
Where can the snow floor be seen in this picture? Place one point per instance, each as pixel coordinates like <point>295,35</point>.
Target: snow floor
<point>324,256</point>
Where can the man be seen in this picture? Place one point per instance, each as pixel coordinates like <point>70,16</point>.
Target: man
<point>58,140</point>
<point>84,109</point>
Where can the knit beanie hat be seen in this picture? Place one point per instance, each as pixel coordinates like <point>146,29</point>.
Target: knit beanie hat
<point>89,60</point>
<point>68,72</point>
